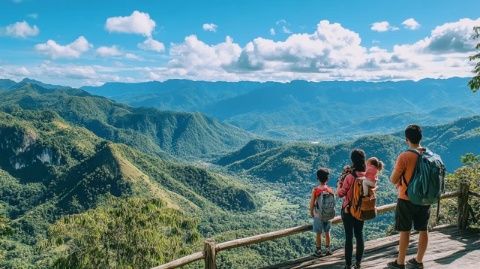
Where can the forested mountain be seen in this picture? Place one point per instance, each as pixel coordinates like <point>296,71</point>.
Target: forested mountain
<point>6,83</point>
<point>51,169</point>
<point>186,135</point>
<point>318,111</point>
<point>296,161</point>
<point>175,94</point>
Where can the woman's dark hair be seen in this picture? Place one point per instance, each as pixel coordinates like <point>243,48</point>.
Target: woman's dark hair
<point>358,160</point>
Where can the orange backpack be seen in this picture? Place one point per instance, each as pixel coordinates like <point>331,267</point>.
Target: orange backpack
<point>362,207</point>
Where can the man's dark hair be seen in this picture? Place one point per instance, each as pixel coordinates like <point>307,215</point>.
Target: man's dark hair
<point>322,174</point>
<point>413,133</point>
<point>358,160</point>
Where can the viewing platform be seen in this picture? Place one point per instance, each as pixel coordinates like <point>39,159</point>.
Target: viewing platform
<point>448,248</point>
<point>454,246</point>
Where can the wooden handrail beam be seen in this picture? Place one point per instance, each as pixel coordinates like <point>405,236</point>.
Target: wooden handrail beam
<point>182,261</point>
<point>474,194</point>
<point>269,236</point>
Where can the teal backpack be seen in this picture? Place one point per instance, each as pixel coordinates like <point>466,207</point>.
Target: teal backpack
<point>427,183</point>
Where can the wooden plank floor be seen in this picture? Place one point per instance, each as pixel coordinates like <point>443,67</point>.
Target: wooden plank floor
<point>448,248</point>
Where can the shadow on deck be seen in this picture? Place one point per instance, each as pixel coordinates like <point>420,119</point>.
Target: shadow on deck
<point>448,248</point>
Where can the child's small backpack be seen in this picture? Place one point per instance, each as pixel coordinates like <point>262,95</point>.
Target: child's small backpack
<point>362,207</point>
<point>325,206</point>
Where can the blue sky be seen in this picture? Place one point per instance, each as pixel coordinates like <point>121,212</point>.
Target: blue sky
<point>71,42</point>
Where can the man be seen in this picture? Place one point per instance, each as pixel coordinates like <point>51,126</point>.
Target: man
<point>406,212</point>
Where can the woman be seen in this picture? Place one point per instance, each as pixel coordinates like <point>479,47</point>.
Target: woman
<point>351,225</point>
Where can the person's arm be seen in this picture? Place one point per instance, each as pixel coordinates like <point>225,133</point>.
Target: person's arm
<point>312,203</point>
<point>398,171</point>
<point>345,186</point>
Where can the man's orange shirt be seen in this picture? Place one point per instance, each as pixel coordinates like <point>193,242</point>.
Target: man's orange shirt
<point>404,167</point>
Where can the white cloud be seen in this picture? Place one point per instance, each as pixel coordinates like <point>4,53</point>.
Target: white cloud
<point>152,45</point>
<point>109,51</point>
<point>33,15</point>
<point>272,31</point>
<point>72,50</point>
<point>21,29</point>
<point>193,53</point>
<point>453,37</point>
<point>411,24</point>
<point>285,30</point>
<point>330,46</point>
<point>283,25</point>
<point>132,56</point>
<point>382,26</point>
<point>210,27</point>
<point>137,23</point>
<point>114,51</point>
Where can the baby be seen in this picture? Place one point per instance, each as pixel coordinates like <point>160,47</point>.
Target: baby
<point>374,167</point>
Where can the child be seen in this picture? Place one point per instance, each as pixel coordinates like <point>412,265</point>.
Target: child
<point>320,226</point>
<point>374,167</point>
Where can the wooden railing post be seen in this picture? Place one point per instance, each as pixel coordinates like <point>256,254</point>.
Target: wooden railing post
<point>463,205</point>
<point>210,259</point>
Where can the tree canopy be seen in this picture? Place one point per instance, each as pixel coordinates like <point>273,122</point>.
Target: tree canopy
<point>474,83</point>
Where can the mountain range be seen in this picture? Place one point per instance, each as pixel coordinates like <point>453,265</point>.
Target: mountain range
<point>329,112</point>
<point>179,134</point>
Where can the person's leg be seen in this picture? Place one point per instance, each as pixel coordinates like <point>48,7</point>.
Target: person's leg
<point>403,246</point>
<point>319,240</point>
<point>327,239</point>
<point>358,230</point>
<point>422,245</point>
<point>348,227</point>
<point>420,223</point>
<point>403,224</point>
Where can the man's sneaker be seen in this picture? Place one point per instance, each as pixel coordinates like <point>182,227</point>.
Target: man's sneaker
<point>414,264</point>
<point>357,266</point>
<point>318,253</point>
<point>395,265</point>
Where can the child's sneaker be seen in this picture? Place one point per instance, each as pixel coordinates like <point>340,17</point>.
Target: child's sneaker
<point>318,253</point>
<point>328,252</point>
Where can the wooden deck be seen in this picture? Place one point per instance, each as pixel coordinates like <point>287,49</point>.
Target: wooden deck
<point>448,248</point>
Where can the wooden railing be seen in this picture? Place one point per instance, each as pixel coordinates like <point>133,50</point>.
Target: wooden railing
<point>211,248</point>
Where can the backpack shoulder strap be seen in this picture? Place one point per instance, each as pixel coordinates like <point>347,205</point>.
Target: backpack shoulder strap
<point>414,151</point>
<point>351,187</point>
<point>418,156</point>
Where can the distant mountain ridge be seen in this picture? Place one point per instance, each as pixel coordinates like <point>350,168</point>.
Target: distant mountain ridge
<point>307,110</point>
<point>297,162</point>
<point>181,134</point>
